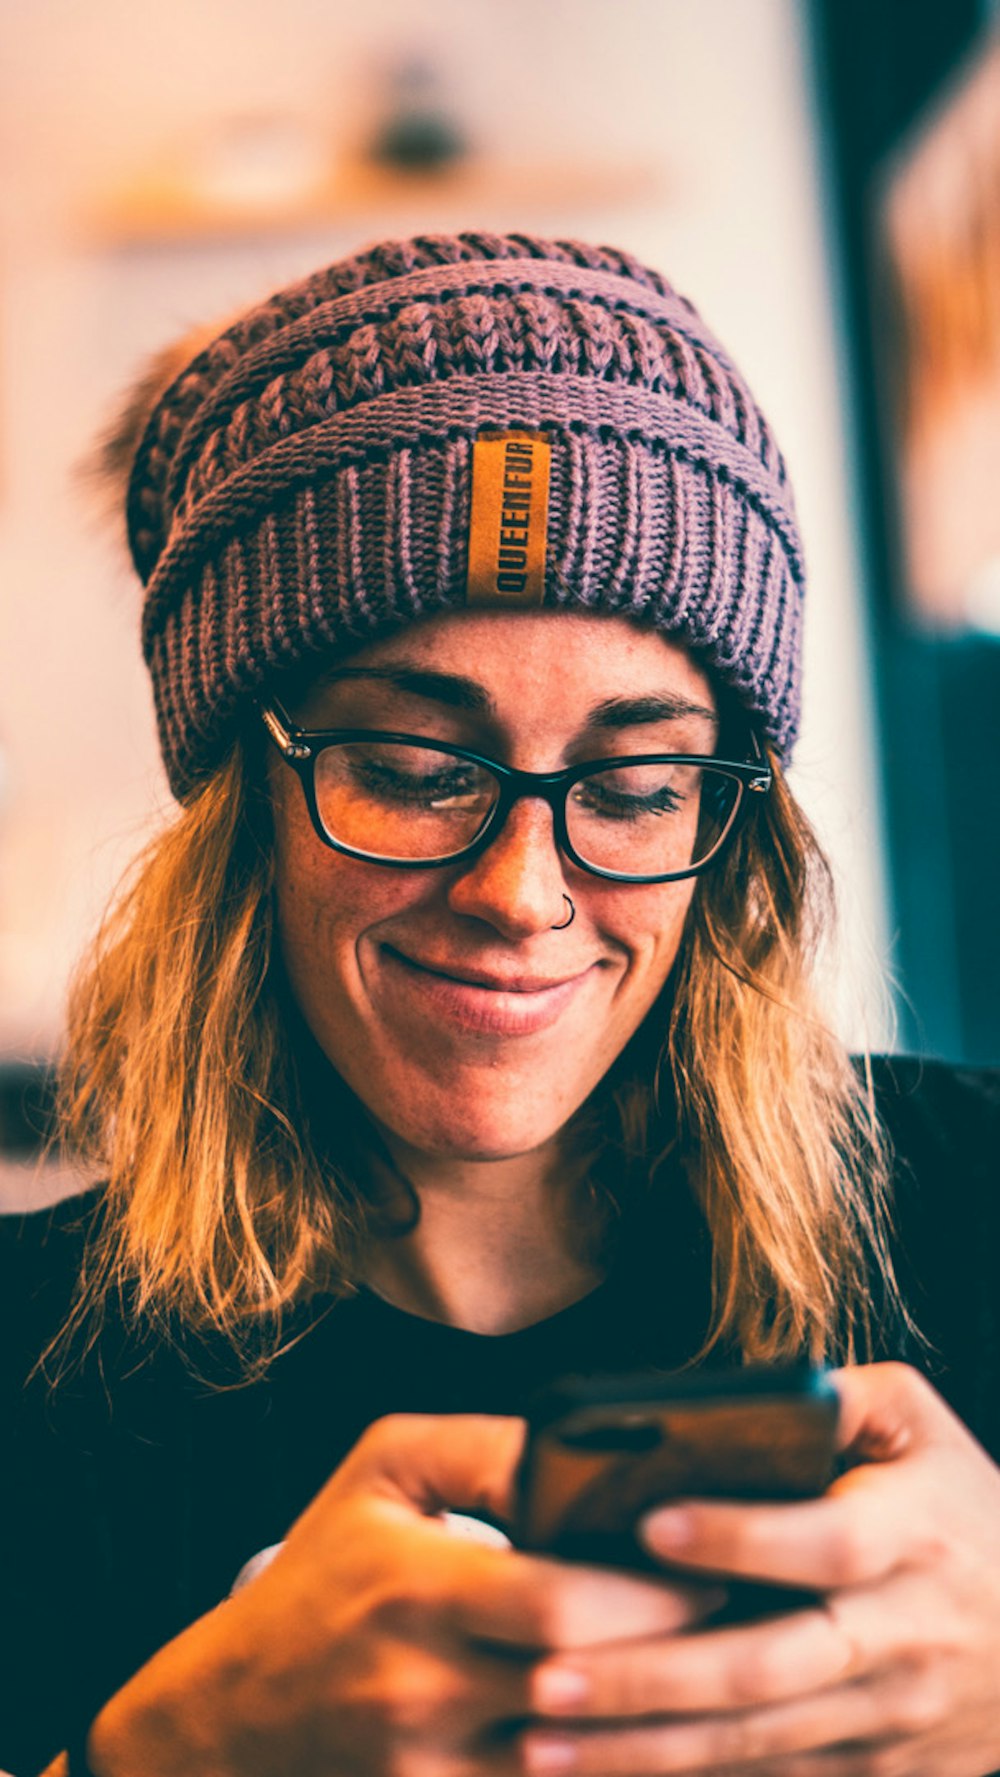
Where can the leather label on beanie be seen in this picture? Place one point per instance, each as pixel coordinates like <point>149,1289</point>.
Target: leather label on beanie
<point>510,515</point>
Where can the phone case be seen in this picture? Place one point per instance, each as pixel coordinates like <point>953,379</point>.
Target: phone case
<point>601,1453</point>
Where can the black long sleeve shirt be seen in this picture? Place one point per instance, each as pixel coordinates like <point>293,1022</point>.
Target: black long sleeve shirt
<point>131,1498</point>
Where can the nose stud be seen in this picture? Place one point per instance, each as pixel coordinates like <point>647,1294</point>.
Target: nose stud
<point>561,927</point>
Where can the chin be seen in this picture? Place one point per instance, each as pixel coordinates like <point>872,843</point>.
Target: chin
<point>482,1140</point>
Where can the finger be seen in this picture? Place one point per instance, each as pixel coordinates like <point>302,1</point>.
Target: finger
<point>451,1699</point>
<point>847,1637</point>
<point>863,1526</point>
<point>434,1463</point>
<point>888,1411</point>
<point>719,1670</point>
<point>859,1532</point>
<point>853,1715</point>
<point>541,1604</point>
<point>472,1592</point>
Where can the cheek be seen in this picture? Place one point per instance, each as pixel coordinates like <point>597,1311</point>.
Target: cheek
<point>311,927</point>
<point>323,910</point>
<point>654,930</point>
<point>322,901</point>
<point>656,950</point>
<point>325,904</point>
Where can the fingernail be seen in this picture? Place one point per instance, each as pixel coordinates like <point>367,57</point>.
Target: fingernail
<point>668,1531</point>
<point>545,1754</point>
<point>557,1690</point>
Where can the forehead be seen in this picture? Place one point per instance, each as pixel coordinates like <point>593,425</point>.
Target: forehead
<point>565,661</point>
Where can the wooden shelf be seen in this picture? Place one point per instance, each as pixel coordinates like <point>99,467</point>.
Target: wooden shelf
<point>167,209</point>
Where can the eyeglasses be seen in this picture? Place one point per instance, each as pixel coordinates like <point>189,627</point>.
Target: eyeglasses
<point>414,803</point>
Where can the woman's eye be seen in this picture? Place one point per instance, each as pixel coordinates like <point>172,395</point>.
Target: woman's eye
<point>613,801</point>
<point>406,784</point>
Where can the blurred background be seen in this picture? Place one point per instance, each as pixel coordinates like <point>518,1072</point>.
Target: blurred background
<point>821,176</point>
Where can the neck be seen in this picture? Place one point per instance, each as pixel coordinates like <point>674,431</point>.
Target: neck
<point>497,1244</point>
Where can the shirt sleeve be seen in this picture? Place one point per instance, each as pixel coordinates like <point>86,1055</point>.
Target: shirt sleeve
<point>47,1566</point>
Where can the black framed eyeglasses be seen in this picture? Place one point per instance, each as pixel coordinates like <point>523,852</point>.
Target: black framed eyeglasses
<point>413,803</point>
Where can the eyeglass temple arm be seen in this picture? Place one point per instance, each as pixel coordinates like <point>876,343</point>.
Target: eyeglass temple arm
<point>762,782</point>
<point>274,720</point>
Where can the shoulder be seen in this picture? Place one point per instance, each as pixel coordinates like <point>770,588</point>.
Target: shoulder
<point>933,1103</point>
<point>27,1235</point>
<point>40,1258</point>
<point>943,1124</point>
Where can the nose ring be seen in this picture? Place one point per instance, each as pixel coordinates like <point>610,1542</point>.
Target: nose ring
<point>561,927</point>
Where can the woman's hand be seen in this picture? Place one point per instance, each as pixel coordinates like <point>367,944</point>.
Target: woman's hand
<point>896,1671</point>
<point>377,1642</point>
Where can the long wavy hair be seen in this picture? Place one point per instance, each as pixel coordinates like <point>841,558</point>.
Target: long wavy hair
<point>237,1164</point>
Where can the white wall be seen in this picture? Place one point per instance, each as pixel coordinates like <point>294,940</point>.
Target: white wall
<point>710,95</point>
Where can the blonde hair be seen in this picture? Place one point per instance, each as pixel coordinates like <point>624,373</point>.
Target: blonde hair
<point>235,1184</point>
<point>789,1162</point>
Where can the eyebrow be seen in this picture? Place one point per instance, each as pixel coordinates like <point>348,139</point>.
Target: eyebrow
<point>461,693</point>
<point>634,712</point>
<point>448,688</point>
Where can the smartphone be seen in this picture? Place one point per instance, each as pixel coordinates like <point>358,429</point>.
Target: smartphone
<point>603,1451</point>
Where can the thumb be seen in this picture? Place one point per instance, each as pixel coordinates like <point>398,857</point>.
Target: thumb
<point>888,1411</point>
<point>434,1463</point>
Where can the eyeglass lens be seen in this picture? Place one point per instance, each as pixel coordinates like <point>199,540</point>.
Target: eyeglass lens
<point>393,801</point>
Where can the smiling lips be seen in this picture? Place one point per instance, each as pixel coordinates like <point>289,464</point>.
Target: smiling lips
<point>515,1005</point>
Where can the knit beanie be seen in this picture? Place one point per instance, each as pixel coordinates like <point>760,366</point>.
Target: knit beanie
<point>446,420</point>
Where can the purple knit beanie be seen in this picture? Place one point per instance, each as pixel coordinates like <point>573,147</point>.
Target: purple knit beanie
<point>308,481</point>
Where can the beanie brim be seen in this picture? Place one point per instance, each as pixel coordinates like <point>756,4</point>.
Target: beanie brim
<point>665,522</point>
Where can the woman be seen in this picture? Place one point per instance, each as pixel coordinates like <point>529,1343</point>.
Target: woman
<point>457,1037</point>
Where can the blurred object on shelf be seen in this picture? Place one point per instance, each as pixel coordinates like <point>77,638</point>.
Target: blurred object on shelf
<point>257,161</point>
<point>417,134</point>
<point>942,224</point>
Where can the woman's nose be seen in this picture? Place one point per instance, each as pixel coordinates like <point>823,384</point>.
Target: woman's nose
<point>517,885</point>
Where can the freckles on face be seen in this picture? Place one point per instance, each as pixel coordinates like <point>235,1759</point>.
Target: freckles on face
<point>465,1023</point>
<point>450,1066</point>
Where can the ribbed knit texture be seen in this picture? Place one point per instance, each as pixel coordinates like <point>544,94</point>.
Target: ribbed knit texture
<point>306,483</point>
